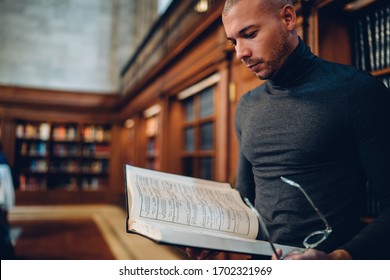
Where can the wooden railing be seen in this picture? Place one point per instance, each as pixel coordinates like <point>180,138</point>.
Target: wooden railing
<point>169,35</point>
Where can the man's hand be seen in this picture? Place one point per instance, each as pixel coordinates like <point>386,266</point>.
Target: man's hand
<point>313,254</point>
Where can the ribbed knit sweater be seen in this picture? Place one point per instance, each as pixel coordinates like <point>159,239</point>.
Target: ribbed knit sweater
<point>325,126</point>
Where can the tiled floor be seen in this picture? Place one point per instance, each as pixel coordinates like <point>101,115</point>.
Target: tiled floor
<point>110,220</point>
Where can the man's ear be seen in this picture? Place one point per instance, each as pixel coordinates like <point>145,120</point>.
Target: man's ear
<point>289,17</point>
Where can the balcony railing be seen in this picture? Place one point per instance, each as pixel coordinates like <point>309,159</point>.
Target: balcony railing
<point>173,31</point>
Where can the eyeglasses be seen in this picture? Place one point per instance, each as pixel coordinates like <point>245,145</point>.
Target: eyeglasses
<point>312,240</point>
<point>317,237</point>
<point>262,225</point>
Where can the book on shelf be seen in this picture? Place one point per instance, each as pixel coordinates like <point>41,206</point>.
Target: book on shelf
<point>185,211</point>
<point>39,131</point>
<point>372,38</point>
<point>96,133</point>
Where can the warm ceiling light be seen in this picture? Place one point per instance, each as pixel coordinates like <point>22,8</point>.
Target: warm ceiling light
<point>357,4</point>
<point>152,111</point>
<point>129,123</point>
<point>212,80</point>
<point>202,6</point>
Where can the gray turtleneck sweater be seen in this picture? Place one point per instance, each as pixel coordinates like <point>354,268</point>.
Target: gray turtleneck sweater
<point>327,127</point>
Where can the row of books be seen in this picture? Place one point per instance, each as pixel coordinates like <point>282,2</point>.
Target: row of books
<point>96,150</point>
<point>90,133</point>
<point>32,183</point>
<point>67,166</point>
<point>94,184</point>
<point>33,149</point>
<point>65,133</point>
<point>96,133</point>
<point>73,166</point>
<point>38,166</point>
<point>88,150</point>
<point>372,39</point>
<point>59,132</point>
<point>372,53</point>
<point>33,131</point>
<point>62,150</point>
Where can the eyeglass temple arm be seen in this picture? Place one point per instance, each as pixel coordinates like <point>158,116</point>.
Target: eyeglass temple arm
<point>262,225</point>
<point>292,183</point>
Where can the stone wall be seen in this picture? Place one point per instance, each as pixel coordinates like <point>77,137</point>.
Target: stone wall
<point>70,44</point>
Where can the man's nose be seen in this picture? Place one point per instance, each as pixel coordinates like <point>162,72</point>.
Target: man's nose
<point>242,51</point>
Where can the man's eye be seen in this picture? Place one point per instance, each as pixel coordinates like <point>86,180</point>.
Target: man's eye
<point>250,35</point>
<point>232,43</point>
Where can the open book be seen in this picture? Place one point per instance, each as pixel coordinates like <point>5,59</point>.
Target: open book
<point>191,212</point>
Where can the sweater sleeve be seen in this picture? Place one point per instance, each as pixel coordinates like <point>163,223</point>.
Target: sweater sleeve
<point>245,181</point>
<point>369,117</point>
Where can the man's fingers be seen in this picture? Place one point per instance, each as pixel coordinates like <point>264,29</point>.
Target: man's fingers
<point>279,252</point>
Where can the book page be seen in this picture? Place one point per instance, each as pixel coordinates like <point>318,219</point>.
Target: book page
<point>190,202</point>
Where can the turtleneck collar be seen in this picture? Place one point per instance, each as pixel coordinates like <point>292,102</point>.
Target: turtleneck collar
<point>297,65</point>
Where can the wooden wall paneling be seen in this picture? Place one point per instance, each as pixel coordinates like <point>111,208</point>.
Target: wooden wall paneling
<point>174,141</point>
<point>313,31</point>
<point>222,124</point>
<point>197,32</point>
<point>61,100</point>
<point>141,142</point>
<point>129,142</point>
<point>57,115</point>
<point>8,139</point>
<point>122,152</point>
<point>190,67</point>
<point>165,134</point>
<point>161,131</point>
<point>56,106</point>
<point>171,45</point>
<point>200,62</point>
<point>143,99</point>
<point>333,27</point>
<point>118,152</point>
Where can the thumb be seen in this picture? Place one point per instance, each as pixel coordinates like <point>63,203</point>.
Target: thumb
<point>277,257</point>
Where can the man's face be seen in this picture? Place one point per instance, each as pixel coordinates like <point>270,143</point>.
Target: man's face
<point>258,35</point>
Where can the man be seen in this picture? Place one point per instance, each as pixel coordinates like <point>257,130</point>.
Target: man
<point>319,124</point>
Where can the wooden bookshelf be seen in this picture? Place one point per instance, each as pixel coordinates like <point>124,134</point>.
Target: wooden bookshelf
<point>152,142</point>
<point>62,156</point>
<point>360,36</point>
<point>356,35</point>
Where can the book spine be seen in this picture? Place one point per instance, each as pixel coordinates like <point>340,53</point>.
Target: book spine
<point>382,39</point>
<point>359,46</point>
<point>376,43</point>
<point>370,43</point>
<point>372,39</point>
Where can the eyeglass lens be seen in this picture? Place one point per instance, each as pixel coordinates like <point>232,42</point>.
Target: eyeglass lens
<point>315,238</point>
